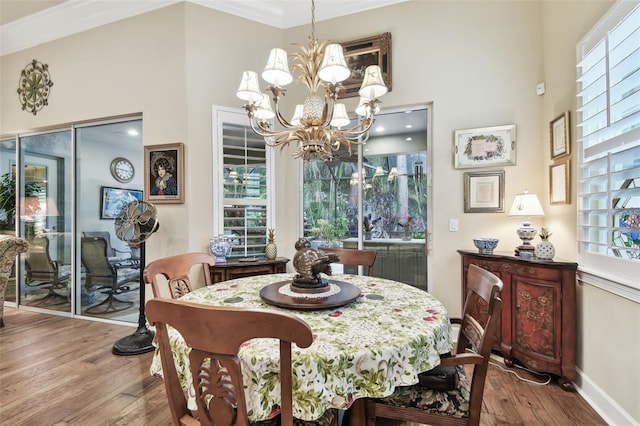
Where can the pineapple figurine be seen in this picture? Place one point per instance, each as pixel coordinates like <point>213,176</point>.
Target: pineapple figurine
<point>545,250</point>
<point>271,249</point>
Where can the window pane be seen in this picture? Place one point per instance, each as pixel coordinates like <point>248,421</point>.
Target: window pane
<point>241,184</point>
<point>393,186</point>
<point>609,136</point>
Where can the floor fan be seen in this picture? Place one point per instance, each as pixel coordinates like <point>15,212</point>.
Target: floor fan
<point>133,225</point>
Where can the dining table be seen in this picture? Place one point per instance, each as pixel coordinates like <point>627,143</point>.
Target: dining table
<point>386,336</point>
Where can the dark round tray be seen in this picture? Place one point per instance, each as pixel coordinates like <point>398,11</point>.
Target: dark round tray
<point>270,294</point>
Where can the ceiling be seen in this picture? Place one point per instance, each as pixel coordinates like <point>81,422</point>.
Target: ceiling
<point>27,23</point>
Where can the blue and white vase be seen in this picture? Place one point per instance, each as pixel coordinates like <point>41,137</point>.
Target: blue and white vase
<point>220,247</point>
<point>545,250</point>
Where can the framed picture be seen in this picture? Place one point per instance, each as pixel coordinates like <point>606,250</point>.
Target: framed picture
<point>560,183</point>
<point>164,173</point>
<point>484,192</point>
<point>112,200</point>
<point>560,136</point>
<point>486,146</point>
<point>361,53</point>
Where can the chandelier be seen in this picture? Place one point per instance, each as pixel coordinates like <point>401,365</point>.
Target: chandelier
<point>318,125</point>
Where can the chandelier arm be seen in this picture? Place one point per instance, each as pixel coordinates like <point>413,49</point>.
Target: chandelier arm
<point>359,129</point>
<point>283,121</point>
<point>260,130</point>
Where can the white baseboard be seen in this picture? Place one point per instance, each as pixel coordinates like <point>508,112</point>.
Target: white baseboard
<point>600,401</point>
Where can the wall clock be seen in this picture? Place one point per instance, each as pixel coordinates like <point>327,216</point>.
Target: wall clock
<point>34,86</point>
<point>122,170</point>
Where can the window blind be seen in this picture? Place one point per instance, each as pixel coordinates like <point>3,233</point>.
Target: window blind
<point>608,121</point>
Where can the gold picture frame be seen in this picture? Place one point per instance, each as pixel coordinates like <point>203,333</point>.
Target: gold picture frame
<point>560,182</point>
<point>169,188</point>
<point>560,136</point>
<point>484,192</point>
<point>361,53</point>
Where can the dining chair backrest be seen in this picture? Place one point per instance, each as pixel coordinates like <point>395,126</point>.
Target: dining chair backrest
<point>175,270</point>
<point>354,257</point>
<point>215,334</point>
<point>94,257</point>
<point>38,263</point>
<point>482,308</point>
<point>483,287</point>
<point>112,252</point>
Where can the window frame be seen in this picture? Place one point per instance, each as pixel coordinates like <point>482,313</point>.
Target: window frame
<point>604,270</point>
<point>238,117</point>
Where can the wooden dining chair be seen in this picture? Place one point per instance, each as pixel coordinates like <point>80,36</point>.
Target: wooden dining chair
<point>354,257</point>
<point>175,271</point>
<point>215,333</point>
<point>462,405</point>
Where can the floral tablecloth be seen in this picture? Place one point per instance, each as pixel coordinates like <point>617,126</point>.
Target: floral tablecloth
<point>392,332</point>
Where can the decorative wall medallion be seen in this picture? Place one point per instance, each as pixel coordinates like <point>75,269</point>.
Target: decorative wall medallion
<point>34,86</point>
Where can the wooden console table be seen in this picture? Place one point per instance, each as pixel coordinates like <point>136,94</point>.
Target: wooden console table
<point>235,269</point>
<point>538,321</point>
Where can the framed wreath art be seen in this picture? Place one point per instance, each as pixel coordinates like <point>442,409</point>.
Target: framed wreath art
<point>483,147</point>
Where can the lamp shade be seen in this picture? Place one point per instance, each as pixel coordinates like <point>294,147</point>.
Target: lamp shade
<point>249,89</point>
<point>277,69</point>
<point>372,85</point>
<point>333,68</point>
<point>297,115</point>
<point>29,206</point>
<point>264,111</point>
<point>526,205</point>
<point>340,117</point>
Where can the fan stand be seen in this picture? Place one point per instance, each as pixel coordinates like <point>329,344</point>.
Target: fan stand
<point>139,342</point>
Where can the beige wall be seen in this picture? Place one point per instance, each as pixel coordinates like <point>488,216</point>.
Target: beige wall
<point>478,62</point>
<point>608,333</point>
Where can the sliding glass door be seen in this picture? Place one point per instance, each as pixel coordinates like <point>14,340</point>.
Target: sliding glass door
<point>61,191</point>
<point>8,217</point>
<point>108,268</point>
<point>45,220</point>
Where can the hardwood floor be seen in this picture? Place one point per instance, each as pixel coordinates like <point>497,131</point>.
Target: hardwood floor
<point>60,371</point>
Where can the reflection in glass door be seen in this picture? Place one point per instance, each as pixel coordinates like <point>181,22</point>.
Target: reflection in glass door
<point>8,204</point>
<point>44,218</point>
<point>391,177</point>
<point>109,268</point>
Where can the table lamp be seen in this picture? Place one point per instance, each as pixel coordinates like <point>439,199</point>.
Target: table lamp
<point>526,205</point>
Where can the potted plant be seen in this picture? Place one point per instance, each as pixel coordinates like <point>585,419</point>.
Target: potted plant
<point>329,233</point>
<point>8,200</point>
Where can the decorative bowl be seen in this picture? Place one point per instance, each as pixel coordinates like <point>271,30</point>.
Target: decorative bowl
<point>485,245</point>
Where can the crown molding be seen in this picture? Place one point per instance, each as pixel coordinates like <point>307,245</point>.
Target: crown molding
<point>73,17</point>
<point>69,18</point>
